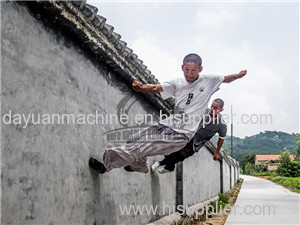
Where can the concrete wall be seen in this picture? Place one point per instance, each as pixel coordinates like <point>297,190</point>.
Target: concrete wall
<point>44,170</point>
<point>236,173</point>
<point>232,176</point>
<point>226,172</point>
<point>201,177</point>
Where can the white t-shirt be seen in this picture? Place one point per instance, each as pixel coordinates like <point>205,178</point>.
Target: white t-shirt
<point>191,101</point>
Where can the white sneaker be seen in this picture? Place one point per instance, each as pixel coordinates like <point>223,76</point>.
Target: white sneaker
<point>155,166</point>
<point>163,170</point>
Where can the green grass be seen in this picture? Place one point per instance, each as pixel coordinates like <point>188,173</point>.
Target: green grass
<point>223,200</point>
<point>265,174</point>
<point>289,182</point>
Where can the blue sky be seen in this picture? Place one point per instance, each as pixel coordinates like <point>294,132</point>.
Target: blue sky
<point>262,37</point>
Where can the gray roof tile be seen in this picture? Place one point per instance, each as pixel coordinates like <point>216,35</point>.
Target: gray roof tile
<point>99,21</point>
<point>79,4</point>
<point>121,46</point>
<point>132,57</point>
<point>138,63</point>
<point>115,38</point>
<point>107,30</point>
<point>90,11</point>
<point>127,52</point>
<point>142,68</point>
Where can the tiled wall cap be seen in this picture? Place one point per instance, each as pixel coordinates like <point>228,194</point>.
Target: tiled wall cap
<point>127,52</point>
<point>99,21</point>
<point>115,38</point>
<point>90,11</point>
<point>121,46</point>
<point>107,30</point>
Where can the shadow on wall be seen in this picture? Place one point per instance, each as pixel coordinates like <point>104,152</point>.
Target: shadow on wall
<point>98,208</point>
<point>155,193</point>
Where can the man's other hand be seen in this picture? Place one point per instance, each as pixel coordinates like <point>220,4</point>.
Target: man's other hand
<point>216,156</point>
<point>243,73</point>
<point>136,85</point>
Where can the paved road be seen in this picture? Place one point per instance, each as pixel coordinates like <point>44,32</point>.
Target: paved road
<point>262,202</point>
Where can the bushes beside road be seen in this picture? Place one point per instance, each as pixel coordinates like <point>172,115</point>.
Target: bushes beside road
<point>288,182</point>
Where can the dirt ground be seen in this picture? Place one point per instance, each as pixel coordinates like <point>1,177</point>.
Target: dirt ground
<point>220,218</point>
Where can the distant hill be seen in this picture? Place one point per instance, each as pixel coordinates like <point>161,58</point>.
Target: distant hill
<point>268,142</point>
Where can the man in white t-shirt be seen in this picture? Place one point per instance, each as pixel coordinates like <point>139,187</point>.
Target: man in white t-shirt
<point>192,94</point>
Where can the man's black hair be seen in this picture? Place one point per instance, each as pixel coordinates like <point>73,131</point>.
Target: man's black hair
<point>193,58</point>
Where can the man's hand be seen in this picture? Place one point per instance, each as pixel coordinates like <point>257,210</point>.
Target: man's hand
<point>243,73</point>
<point>136,85</point>
<point>216,156</point>
<point>233,77</point>
<point>147,88</point>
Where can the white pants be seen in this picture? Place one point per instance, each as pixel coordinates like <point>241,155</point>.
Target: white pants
<point>155,140</point>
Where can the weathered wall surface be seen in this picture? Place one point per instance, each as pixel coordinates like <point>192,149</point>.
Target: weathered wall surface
<point>201,177</point>
<point>226,172</point>
<point>44,168</point>
<point>232,175</point>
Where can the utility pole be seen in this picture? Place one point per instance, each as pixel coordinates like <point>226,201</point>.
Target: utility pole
<point>231,133</point>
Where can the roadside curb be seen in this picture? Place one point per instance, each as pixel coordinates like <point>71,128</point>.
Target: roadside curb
<point>175,218</point>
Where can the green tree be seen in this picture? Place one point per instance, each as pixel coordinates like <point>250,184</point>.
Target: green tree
<point>260,168</point>
<point>248,159</point>
<point>284,158</point>
<point>287,167</point>
<point>249,169</point>
<point>297,148</point>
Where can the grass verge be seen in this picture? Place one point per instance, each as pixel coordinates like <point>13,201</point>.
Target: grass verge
<point>219,218</point>
<point>292,183</point>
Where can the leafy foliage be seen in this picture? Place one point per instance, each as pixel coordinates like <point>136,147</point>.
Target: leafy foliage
<point>290,170</point>
<point>264,143</point>
<point>223,200</point>
<point>264,174</point>
<point>248,159</point>
<point>297,148</point>
<point>290,182</point>
<point>284,158</point>
<point>287,167</point>
<point>249,169</point>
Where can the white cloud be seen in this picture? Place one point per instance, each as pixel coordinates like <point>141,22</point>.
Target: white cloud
<point>162,64</point>
<point>209,18</point>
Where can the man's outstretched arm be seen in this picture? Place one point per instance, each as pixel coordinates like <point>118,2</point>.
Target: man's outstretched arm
<point>146,88</point>
<point>219,146</point>
<point>233,77</point>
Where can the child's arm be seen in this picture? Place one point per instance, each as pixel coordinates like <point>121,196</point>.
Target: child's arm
<point>233,77</point>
